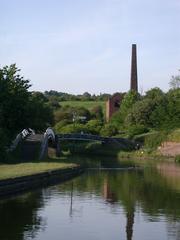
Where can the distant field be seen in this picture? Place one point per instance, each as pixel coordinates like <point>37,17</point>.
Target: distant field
<point>87,104</point>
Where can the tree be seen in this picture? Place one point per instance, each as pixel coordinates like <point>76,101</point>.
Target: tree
<point>39,114</point>
<point>14,97</point>
<point>175,81</point>
<point>154,93</point>
<point>118,119</point>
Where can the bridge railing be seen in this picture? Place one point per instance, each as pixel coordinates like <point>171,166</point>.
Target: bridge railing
<point>48,135</point>
<point>20,136</point>
<point>122,142</point>
<point>82,136</point>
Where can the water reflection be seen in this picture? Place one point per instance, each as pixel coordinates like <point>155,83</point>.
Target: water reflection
<point>18,216</point>
<point>136,204</point>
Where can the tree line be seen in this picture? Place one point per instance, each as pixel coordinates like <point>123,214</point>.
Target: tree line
<point>21,108</point>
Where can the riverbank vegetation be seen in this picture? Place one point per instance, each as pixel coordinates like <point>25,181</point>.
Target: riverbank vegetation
<point>149,119</point>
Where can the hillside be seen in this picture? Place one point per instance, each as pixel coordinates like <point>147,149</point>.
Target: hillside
<point>87,104</point>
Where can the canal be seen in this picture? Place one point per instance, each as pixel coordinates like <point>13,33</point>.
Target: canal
<point>111,200</point>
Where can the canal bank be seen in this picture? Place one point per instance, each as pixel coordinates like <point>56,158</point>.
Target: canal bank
<point>11,186</point>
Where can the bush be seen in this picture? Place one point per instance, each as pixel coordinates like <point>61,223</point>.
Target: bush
<point>136,130</point>
<point>73,128</point>
<point>155,139</point>
<point>177,158</point>
<point>109,130</point>
<point>94,126</point>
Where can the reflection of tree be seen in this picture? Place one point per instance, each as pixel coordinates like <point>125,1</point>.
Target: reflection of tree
<point>20,216</point>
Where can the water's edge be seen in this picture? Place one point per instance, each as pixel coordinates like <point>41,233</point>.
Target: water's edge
<point>21,184</point>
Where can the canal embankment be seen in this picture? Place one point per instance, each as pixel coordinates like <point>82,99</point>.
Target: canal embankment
<point>17,178</point>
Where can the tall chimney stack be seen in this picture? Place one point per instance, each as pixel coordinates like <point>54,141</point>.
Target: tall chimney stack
<point>134,78</point>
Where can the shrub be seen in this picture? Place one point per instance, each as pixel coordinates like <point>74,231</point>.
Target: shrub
<point>136,129</point>
<point>74,128</point>
<point>94,126</point>
<point>109,130</point>
<point>177,158</point>
<point>155,139</point>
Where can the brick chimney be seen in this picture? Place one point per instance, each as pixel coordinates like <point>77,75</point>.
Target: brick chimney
<point>134,78</point>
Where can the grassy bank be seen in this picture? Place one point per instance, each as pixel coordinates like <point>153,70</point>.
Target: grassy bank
<point>152,145</point>
<point>26,169</point>
<point>86,104</point>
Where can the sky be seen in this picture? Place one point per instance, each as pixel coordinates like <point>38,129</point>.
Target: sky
<point>76,46</point>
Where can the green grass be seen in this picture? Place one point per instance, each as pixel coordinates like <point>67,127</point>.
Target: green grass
<point>87,104</point>
<point>25,169</point>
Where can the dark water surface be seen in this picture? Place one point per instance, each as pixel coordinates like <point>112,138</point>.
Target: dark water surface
<point>140,203</point>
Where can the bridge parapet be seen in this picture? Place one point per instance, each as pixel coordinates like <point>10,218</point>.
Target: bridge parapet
<point>20,136</point>
<point>80,136</point>
<point>48,135</point>
<point>122,142</point>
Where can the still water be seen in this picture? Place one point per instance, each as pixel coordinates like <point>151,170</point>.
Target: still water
<point>119,203</point>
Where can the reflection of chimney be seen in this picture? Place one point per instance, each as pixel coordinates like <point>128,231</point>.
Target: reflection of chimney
<point>134,78</point>
<point>129,225</point>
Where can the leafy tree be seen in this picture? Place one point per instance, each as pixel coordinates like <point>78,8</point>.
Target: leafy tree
<point>118,119</point>
<point>175,81</point>
<point>13,100</point>
<point>140,113</point>
<point>39,115</point>
<point>20,108</point>
<point>154,93</point>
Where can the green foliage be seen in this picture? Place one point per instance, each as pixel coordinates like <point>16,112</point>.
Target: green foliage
<point>155,139</point>
<point>39,114</point>
<point>86,104</point>
<point>97,112</point>
<point>177,158</point>
<point>94,126</point>
<point>118,118</point>
<point>109,130</point>
<point>154,93</point>
<point>4,142</point>
<point>136,130</point>
<point>59,125</point>
<point>20,108</point>
<point>140,113</point>
<point>13,100</point>
<point>156,110</point>
<point>174,135</point>
<point>175,82</point>
<point>73,128</point>
<point>71,114</point>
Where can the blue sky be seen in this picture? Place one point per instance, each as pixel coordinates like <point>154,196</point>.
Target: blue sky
<point>85,45</point>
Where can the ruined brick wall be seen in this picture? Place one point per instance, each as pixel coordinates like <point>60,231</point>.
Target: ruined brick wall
<point>113,105</point>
